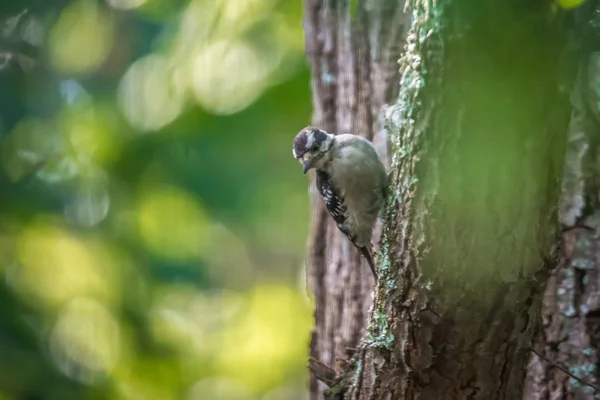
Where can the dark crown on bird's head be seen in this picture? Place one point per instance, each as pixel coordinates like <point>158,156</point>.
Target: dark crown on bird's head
<point>308,140</point>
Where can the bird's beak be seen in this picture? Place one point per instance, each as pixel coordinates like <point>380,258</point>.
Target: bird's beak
<point>305,166</point>
<point>307,162</point>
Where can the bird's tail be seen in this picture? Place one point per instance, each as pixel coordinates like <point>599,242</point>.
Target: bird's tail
<point>366,252</point>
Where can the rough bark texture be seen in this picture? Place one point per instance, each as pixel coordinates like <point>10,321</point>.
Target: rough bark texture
<point>478,138</point>
<point>354,73</point>
<point>570,337</point>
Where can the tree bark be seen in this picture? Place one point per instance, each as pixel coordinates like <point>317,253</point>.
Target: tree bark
<point>570,338</point>
<point>478,138</point>
<point>354,73</point>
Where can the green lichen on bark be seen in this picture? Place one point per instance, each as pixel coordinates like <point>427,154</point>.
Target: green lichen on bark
<point>379,334</point>
<point>404,120</point>
<point>423,38</point>
<point>400,123</point>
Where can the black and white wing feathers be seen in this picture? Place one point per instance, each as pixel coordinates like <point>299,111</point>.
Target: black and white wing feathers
<point>339,212</point>
<point>333,201</point>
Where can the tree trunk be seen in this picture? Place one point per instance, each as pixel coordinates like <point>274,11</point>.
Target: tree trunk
<point>570,338</point>
<point>354,73</point>
<point>478,138</point>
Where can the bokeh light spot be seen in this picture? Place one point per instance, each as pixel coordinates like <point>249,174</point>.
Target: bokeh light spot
<point>149,94</point>
<point>85,342</point>
<point>33,32</point>
<point>81,38</point>
<point>567,4</point>
<point>55,266</point>
<point>228,76</point>
<point>191,320</point>
<point>267,343</point>
<point>242,13</point>
<point>172,223</point>
<point>28,145</point>
<point>57,169</point>
<point>125,4</point>
<point>147,378</point>
<point>88,135</point>
<point>88,206</point>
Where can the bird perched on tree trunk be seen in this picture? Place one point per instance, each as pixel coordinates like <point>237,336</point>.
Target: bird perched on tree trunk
<point>351,179</point>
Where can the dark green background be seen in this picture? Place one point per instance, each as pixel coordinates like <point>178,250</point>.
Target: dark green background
<point>161,263</point>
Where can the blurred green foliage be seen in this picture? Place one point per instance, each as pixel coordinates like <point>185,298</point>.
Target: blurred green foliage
<point>152,219</point>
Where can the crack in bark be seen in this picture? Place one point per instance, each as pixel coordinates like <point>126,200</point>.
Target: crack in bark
<point>555,365</point>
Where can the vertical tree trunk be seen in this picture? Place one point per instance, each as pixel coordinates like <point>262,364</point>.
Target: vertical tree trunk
<point>354,72</point>
<point>570,337</point>
<point>478,138</point>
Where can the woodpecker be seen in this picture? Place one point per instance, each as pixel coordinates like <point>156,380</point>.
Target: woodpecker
<point>351,178</point>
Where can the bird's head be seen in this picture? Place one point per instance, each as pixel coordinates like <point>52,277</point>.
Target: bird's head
<point>310,147</point>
